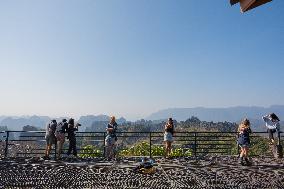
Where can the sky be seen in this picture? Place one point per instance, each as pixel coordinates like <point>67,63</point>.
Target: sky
<point>131,58</point>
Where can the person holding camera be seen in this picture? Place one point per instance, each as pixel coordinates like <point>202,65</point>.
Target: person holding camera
<point>61,129</point>
<point>50,137</point>
<point>72,136</point>
<point>111,138</point>
<point>244,140</point>
<point>273,125</point>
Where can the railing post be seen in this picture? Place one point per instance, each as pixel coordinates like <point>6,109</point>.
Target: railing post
<point>55,149</point>
<point>7,143</point>
<point>238,146</point>
<point>279,148</point>
<point>104,146</point>
<point>150,135</point>
<point>195,145</point>
<point>279,137</point>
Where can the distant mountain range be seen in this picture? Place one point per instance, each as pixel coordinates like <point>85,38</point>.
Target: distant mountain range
<point>232,114</point>
<point>90,120</point>
<point>17,123</point>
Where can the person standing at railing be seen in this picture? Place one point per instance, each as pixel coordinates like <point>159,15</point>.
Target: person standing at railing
<point>168,136</point>
<point>72,137</point>
<point>273,125</point>
<point>60,135</point>
<point>244,131</point>
<point>50,137</point>
<point>111,138</point>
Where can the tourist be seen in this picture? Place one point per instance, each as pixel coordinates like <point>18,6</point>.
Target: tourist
<point>50,137</point>
<point>168,136</point>
<point>273,125</point>
<point>60,135</point>
<point>244,140</point>
<point>72,137</point>
<point>111,138</point>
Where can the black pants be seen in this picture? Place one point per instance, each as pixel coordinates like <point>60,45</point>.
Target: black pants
<point>72,146</point>
<point>270,133</point>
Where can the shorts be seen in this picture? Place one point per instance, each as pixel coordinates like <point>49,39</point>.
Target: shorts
<point>110,141</point>
<point>168,137</point>
<point>243,142</point>
<point>244,145</point>
<point>50,139</point>
<point>60,136</point>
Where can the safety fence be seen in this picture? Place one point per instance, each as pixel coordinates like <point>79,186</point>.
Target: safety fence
<point>91,144</point>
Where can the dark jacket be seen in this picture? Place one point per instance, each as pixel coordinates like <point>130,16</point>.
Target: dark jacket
<point>244,137</point>
<point>71,132</point>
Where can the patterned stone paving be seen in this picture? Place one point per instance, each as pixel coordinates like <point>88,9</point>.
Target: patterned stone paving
<point>209,172</point>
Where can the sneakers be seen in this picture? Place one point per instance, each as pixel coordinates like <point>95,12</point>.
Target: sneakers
<point>46,157</point>
<point>241,161</point>
<point>248,163</point>
<point>245,163</point>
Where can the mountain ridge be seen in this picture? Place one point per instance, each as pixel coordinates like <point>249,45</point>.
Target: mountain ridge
<point>232,114</point>
<point>18,122</point>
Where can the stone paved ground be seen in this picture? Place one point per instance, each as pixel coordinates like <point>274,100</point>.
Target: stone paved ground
<point>210,172</point>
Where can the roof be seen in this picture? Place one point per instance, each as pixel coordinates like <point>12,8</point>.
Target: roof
<point>249,4</point>
<point>234,2</point>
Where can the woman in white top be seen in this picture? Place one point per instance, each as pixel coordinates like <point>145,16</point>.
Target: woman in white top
<point>272,124</point>
<point>168,136</point>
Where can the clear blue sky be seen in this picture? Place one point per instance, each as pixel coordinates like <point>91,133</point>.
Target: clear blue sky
<point>133,57</point>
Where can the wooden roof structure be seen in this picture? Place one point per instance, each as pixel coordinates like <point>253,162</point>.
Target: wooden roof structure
<point>249,4</point>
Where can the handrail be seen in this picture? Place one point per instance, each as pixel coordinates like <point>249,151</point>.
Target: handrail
<point>193,137</point>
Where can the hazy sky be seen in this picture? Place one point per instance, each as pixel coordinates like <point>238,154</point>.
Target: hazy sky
<point>133,57</point>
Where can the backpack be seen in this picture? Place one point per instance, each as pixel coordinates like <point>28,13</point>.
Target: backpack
<point>51,128</point>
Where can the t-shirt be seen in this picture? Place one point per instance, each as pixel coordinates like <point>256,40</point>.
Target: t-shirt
<point>169,129</point>
<point>51,128</point>
<point>270,124</point>
<point>71,131</point>
<point>62,127</point>
<point>114,127</point>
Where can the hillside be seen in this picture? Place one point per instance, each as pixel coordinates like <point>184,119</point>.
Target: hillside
<point>232,114</point>
<point>17,123</point>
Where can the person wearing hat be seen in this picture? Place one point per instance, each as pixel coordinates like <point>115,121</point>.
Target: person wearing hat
<point>50,137</point>
<point>60,135</point>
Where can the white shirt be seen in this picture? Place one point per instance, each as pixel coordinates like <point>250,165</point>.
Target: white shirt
<point>270,124</point>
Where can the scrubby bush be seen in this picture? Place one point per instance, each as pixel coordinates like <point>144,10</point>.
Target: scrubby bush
<point>90,151</point>
<point>143,149</point>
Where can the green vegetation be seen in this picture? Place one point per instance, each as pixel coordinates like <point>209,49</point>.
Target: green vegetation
<point>259,146</point>
<point>219,145</point>
<point>139,149</point>
<point>90,151</point>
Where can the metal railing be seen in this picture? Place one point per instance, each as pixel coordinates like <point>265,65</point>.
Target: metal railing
<point>26,143</point>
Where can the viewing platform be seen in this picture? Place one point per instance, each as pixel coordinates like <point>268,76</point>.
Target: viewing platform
<point>207,172</point>
<point>205,160</point>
